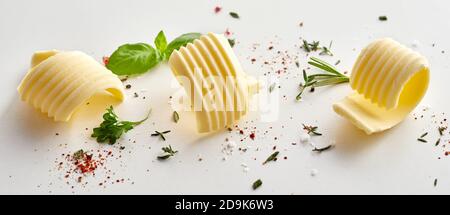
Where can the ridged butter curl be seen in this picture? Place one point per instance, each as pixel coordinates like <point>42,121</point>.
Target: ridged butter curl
<point>389,81</point>
<point>218,88</point>
<point>60,82</point>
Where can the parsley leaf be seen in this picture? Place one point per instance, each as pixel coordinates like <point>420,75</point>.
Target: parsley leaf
<point>112,128</point>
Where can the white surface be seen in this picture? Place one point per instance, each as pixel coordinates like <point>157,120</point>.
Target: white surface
<point>389,163</point>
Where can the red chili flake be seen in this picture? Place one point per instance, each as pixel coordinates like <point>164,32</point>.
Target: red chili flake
<point>241,132</point>
<point>252,136</point>
<point>105,60</point>
<point>217,9</point>
<point>447,153</point>
<point>228,32</point>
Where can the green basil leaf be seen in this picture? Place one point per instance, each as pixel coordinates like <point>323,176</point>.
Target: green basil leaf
<point>161,42</point>
<point>130,59</point>
<point>181,41</point>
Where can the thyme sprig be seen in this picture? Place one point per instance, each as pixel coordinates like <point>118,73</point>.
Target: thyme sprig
<point>315,46</point>
<point>168,152</point>
<point>311,129</point>
<point>333,76</point>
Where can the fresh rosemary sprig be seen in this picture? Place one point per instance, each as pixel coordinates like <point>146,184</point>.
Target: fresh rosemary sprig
<point>333,76</point>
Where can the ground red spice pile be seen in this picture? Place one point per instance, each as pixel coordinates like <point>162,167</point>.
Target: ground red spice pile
<point>84,162</point>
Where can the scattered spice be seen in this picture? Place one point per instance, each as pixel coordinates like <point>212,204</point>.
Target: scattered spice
<point>84,162</point>
<point>272,157</point>
<point>441,130</point>
<point>128,86</point>
<point>257,184</point>
<point>252,136</point>
<point>217,9</point>
<point>234,15</point>
<point>160,134</point>
<point>435,182</point>
<point>105,60</point>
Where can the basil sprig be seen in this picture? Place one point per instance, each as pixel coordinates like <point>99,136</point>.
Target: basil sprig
<point>138,58</point>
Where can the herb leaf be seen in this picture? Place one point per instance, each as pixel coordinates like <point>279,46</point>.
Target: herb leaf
<point>234,15</point>
<point>168,152</point>
<point>232,42</point>
<point>130,59</point>
<point>272,87</point>
<point>160,134</point>
<point>323,149</point>
<point>180,41</point>
<point>272,157</point>
<point>256,184</point>
<point>78,154</point>
<point>176,117</point>
<point>161,43</point>
<point>441,130</point>
<point>112,128</point>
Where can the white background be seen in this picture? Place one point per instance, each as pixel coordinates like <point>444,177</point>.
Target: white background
<point>393,162</point>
